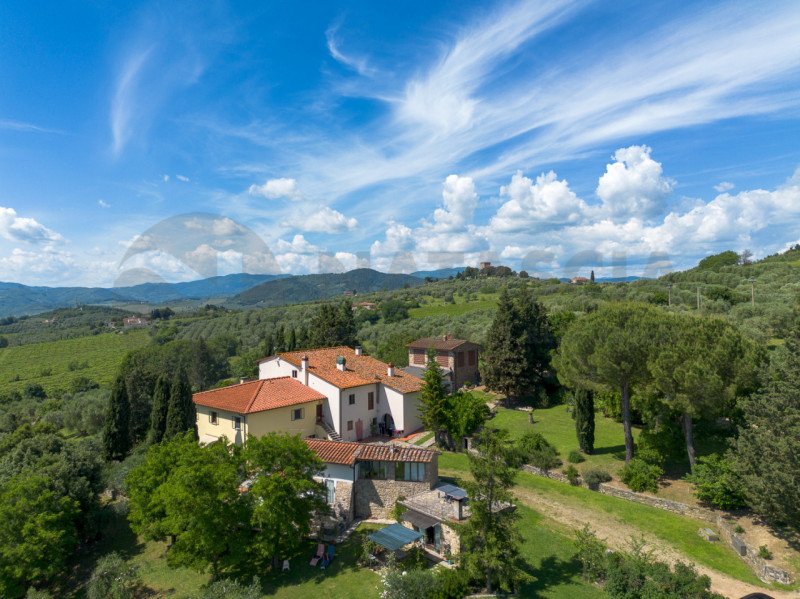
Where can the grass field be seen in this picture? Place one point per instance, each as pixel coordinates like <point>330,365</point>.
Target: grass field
<point>96,357</point>
<point>437,307</point>
<point>678,531</point>
<point>558,427</point>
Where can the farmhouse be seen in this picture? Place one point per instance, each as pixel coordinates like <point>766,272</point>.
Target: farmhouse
<point>458,358</point>
<point>256,408</point>
<point>365,480</point>
<point>364,397</point>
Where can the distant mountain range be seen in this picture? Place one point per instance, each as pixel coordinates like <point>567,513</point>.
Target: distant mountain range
<point>442,273</point>
<point>239,289</point>
<point>305,288</point>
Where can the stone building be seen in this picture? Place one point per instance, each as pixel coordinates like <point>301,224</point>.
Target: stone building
<point>457,358</point>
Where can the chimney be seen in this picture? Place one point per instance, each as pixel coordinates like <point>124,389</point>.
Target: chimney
<point>359,351</point>
<point>390,369</point>
<point>304,369</point>
<point>341,363</point>
<point>458,510</point>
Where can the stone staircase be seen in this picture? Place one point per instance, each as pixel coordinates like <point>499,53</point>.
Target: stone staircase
<point>329,431</point>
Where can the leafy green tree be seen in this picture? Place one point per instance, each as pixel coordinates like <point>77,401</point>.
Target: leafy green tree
<point>113,578</point>
<point>697,369</point>
<point>766,450</point>
<point>490,536</point>
<point>394,310</point>
<point>502,366</point>
<point>584,419</point>
<point>117,433</point>
<point>284,497</point>
<point>433,401</point>
<point>181,414</point>
<point>716,482</point>
<point>37,533</point>
<point>608,350</point>
<point>158,413</point>
<point>465,414</point>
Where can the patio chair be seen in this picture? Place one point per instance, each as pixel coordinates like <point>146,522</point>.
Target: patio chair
<point>320,553</point>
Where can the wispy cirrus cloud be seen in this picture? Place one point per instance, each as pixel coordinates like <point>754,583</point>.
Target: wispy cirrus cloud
<point>12,125</point>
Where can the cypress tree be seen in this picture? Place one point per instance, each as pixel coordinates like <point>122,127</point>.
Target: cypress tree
<point>291,344</point>
<point>503,365</point>
<point>433,399</point>
<point>537,342</point>
<point>584,419</point>
<point>116,433</point>
<point>158,414</point>
<point>181,412</point>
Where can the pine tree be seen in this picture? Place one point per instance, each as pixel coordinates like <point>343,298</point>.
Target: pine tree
<point>332,326</point>
<point>503,365</point>
<point>117,434</point>
<point>158,414</point>
<point>433,401</point>
<point>584,419</point>
<point>181,416</point>
<point>280,339</point>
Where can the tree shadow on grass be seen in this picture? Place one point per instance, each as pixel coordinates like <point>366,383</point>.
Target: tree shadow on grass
<point>618,451</point>
<point>552,572</point>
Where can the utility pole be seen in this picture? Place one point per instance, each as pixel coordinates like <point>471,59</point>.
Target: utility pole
<point>669,292</point>
<point>753,291</point>
<point>698,297</point>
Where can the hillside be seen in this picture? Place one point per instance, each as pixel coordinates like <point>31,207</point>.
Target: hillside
<point>306,288</point>
<point>17,299</point>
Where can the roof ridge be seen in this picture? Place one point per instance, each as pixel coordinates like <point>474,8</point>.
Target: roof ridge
<point>255,395</point>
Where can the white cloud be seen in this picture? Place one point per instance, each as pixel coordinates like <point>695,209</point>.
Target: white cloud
<point>460,201</point>
<point>46,266</point>
<point>322,220</point>
<point>103,204</point>
<point>123,103</point>
<point>182,178</point>
<point>276,188</point>
<point>17,228</point>
<point>724,186</point>
<point>357,64</point>
<point>633,185</point>
<point>547,203</point>
<point>166,178</point>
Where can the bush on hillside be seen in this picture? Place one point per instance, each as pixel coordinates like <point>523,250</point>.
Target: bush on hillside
<point>594,476</point>
<point>113,578</point>
<point>641,476</point>
<point>575,457</point>
<point>572,475</point>
<point>534,449</point>
<point>715,482</point>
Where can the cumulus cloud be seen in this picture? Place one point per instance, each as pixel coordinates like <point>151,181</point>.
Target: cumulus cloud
<point>18,228</point>
<point>276,188</point>
<point>633,185</point>
<point>323,220</point>
<point>537,205</point>
<point>103,204</point>
<point>724,186</point>
<point>183,178</point>
<point>460,200</point>
<point>166,178</point>
<point>47,266</point>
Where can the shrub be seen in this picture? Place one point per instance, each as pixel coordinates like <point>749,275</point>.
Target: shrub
<point>764,552</point>
<point>595,476</point>
<point>591,554</point>
<point>452,584</point>
<point>113,578</point>
<point>738,529</point>
<point>398,510</point>
<point>572,475</point>
<point>575,457</point>
<point>368,548</point>
<point>534,449</point>
<point>414,559</point>
<point>231,589</point>
<point>641,476</point>
<point>715,482</point>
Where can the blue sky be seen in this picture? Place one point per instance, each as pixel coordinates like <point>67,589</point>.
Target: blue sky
<point>169,141</point>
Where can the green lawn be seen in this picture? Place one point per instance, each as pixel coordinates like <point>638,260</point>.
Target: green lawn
<point>48,364</point>
<point>439,308</point>
<point>558,427</point>
<point>424,438</point>
<point>678,531</point>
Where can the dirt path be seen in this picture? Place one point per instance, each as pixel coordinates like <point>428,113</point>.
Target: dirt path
<point>618,536</point>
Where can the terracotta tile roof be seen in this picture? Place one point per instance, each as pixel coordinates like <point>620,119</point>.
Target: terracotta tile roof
<point>339,452</point>
<point>334,452</point>
<point>258,396</point>
<point>394,453</point>
<point>360,370</point>
<point>446,343</point>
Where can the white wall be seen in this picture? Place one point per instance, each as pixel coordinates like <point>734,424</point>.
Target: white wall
<point>359,411</point>
<point>338,472</point>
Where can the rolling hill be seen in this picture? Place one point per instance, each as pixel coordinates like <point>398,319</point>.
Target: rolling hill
<point>307,288</point>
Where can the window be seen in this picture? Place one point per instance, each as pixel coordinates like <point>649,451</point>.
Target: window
<point>330,487</point>
<point>212,418</point>
<point>298,413</point>
<point>349,425</point>
<point>411,471</point>
<point>370,400</point>
<point>352,399</point>
<point>376,470</point>
<point>237,423</point>
<point>294,374</point>
<point>471,357</point>
<point>460,358</point>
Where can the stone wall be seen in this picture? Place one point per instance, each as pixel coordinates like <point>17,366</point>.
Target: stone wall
<point>343,500</point>
<point>450,540</point>
<point>376,498</point>
<point>763,570</point>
